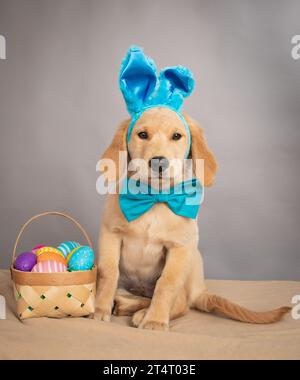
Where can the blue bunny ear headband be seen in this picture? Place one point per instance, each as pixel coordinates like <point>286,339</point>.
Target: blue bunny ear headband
<point>142,89</point>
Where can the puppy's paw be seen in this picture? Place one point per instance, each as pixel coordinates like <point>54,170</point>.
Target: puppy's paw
<point>138,317</point>
<point>102,315</point>
<point>140,320</point>
<point>154,325</point>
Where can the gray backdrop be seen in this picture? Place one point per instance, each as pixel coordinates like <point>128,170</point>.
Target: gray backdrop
<point>60,106</point>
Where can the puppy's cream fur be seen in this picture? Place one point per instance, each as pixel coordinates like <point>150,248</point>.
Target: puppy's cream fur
<point>151,268</point>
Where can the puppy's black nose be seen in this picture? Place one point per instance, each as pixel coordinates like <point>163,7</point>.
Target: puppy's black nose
<point>158,163</point>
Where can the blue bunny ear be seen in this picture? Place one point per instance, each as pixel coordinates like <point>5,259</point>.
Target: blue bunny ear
<point>137,79</point>
<point>176,83</point>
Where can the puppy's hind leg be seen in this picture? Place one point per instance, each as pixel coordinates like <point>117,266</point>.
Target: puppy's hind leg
<point>179,309</point>
<point>127,303</point>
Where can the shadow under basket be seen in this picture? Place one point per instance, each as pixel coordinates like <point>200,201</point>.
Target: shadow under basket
<point>55,295</point>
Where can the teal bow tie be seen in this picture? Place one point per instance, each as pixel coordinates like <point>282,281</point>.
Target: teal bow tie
<point>136,198</point>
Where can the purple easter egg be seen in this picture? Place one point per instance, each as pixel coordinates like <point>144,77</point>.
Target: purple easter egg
<point>25,261</point>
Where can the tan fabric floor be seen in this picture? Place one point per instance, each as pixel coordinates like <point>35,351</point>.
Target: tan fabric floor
<point>194,336</point>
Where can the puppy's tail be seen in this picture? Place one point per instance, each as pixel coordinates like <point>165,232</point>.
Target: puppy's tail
<point>213,303</point>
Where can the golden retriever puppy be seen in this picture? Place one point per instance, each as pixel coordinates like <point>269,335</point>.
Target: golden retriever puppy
<point>151,268</point>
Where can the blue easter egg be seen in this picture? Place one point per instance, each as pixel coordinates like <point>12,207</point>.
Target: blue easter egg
<point>67,247</point>
<point>81,258</point>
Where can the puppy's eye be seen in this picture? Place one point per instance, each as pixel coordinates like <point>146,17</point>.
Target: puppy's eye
<point>143,135</point>
<point>176,136</point>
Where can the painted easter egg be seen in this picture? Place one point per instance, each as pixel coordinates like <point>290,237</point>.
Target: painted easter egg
<point>67,247</point>
<point>50,250</point>
<point>45,256</point>
<point>37,247</point>
<point>81,258</point>
<point>25,261</point>
<point>49,266</point>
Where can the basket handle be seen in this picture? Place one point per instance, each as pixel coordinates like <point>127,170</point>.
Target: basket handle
<point>77,224</point>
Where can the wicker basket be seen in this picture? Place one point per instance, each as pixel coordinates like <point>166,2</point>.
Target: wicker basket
<point>56,295</point>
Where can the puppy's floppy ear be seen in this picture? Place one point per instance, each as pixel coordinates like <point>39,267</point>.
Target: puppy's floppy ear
<point>117,145</point>
<point>200,150</point>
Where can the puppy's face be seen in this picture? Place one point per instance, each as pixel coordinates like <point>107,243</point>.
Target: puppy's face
<point>158,145</point>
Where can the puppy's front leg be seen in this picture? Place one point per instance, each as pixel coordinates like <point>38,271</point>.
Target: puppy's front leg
<point>167,289</point>
<point>108,273</point>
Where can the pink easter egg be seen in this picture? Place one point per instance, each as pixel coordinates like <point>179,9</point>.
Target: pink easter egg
<point>49,266</point>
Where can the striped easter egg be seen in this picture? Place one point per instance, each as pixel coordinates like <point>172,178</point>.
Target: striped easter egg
<point>46,256</point>
<point>49,266</point>
<point>49,250</point>
<point>67,247</point>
